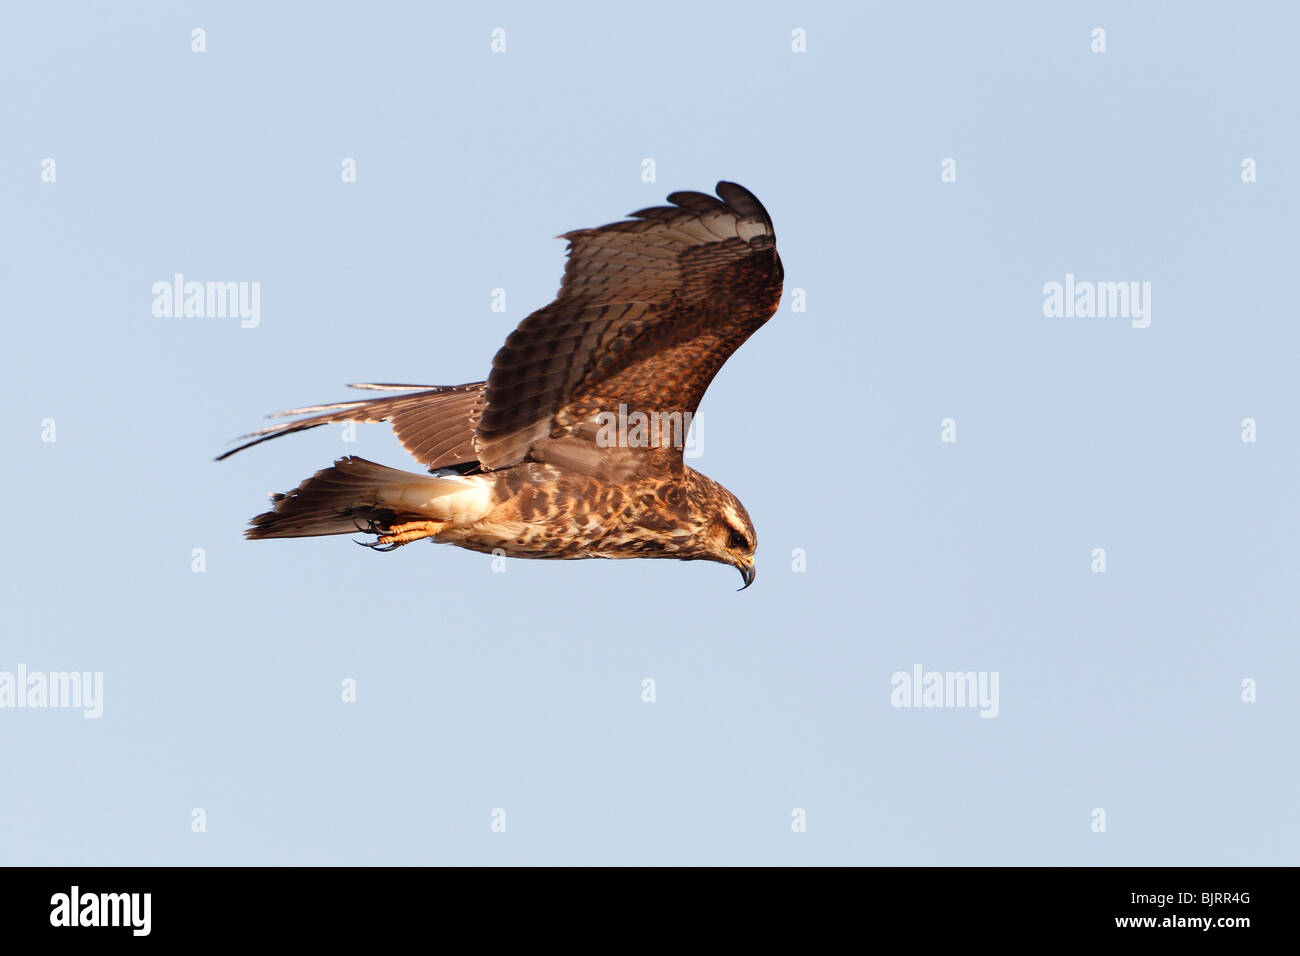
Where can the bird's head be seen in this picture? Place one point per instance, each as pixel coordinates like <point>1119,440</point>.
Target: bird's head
<point>725,534</point>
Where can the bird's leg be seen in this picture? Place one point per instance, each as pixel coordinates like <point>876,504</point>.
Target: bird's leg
<point>400,534</point>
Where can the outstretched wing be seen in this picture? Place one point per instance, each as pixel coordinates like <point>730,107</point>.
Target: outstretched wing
<point>435,424</point>
<point>648,311</point>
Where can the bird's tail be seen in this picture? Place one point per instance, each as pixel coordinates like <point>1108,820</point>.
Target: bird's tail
<point>358,495</point>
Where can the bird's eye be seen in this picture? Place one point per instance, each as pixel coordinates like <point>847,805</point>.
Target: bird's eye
<point>738,541</point>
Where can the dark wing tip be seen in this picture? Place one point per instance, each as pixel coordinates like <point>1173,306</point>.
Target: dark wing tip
<point>699,203</point>
<point>732,198</point>
<point>741,200</point>
<point>266,434</point>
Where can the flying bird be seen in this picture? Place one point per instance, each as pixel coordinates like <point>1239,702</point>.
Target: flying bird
<point>539,461</point>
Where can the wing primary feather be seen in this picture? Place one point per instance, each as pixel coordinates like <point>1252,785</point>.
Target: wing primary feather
<point>384,387</point>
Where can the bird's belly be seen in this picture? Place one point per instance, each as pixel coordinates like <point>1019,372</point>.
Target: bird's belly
<point>543,513</point>
<point>579,536</point>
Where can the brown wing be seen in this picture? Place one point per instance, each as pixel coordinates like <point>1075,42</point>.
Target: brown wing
<point>435,424</point>
<point>648,311</point>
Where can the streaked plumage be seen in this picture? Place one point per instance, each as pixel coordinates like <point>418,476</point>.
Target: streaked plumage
<point>648,311</point>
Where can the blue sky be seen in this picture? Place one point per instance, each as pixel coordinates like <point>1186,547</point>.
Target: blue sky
<point>522,691</point>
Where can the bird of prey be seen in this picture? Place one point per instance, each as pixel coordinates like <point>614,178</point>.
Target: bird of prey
<point>530,462</point>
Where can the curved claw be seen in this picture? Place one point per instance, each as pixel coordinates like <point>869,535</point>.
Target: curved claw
<point>376,546</point>
<point>370,528</point>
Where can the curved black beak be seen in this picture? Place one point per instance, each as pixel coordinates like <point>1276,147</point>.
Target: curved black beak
<point>747,574</point>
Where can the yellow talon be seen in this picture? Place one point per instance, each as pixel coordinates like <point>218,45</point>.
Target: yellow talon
<point>400,534</point>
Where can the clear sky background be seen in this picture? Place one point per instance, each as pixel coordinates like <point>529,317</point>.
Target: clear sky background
<point>523,690</point>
